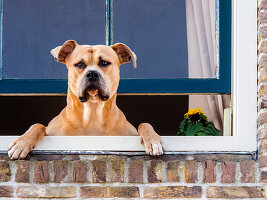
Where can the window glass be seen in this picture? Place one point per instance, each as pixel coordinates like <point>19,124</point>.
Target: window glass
<point>32,28</point>
<point>172,38</point>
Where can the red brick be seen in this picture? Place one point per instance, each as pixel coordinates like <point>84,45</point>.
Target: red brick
<point>79,171</point>
<point>154,171</point>
<point>235,192</point>
<point>170,192</point>
<point>93,192</point>
<point>4,156</point>
<point>97,157</point>
<point>221,157</point>
<point>263,4</point>
<point>172,168</point>
<point>6,191</point>
<point>123,192</point>
<point>72,157</point>
<point>60,169</point>
<point>228,172</point>
<point>263,77</point>
<point>136,171</point>
<point>262,118</point>
<point>48,157</point>
<point>164,157</point>
<point>117,170</point>
<point>22,173</point>
<point>110,192</point>
<point>46,192</point>
<point>262,134</point>
<point>41,174</point>
<point>115,157</point>
<point>262,57</point>
<point>264,177</point>
<point>263,161</point>
<point>191,171</point>
<point>247,169</point>
<point>263,147</point>
<point>99,170</point>
<point>209,175</point>
<point>262,103</point>
<point>262,47</point>
<point>4,171</point>
<point>262,17</point>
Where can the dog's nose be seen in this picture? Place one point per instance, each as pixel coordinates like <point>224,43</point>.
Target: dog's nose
<point>92,75</point>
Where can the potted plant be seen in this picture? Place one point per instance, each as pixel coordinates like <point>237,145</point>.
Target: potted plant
<point>195,123</point>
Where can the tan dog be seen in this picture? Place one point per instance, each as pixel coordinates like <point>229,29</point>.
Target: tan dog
<point>93,79</point>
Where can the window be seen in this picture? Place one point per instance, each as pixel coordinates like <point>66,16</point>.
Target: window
<point>237,48</point>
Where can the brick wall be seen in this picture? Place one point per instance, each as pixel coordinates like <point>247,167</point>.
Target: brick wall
<point>110,176</point>
<point>213,176</point>
<point>262,88</point>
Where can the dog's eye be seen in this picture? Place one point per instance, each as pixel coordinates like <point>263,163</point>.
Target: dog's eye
<point>103,63</point>
<point>80,65</point>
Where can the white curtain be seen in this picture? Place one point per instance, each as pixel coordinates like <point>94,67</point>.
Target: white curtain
<point>200,19</point>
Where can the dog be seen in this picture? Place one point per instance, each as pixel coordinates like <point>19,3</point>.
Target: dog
<point>93,80</point>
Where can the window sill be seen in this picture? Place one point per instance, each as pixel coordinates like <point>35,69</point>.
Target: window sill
<point>132,143</point>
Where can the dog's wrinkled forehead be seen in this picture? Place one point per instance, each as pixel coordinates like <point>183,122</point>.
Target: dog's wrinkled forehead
<point>92,53</point>
<point>70,50</point>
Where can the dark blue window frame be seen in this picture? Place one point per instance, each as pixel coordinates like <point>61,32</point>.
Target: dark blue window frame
<point>221,84</point>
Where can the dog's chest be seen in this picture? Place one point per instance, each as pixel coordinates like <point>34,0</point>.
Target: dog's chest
<point>92,119</point>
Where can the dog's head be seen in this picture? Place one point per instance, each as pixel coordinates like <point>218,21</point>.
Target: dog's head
<point>93,70</point>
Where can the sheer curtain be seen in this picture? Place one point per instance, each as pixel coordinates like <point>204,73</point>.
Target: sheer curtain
<point>200,20</point>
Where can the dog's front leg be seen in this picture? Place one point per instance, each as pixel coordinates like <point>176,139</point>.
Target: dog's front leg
<point>22,145</point>
<point>152,141</point>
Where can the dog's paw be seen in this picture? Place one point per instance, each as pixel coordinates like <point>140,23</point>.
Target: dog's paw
<point>153,145</point>
<point>20,148</point>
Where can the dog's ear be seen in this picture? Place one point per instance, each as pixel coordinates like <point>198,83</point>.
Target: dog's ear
<point>124,53</point>
<point>60,53</point>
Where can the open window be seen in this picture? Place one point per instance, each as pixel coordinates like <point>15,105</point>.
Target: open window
<point>173,72</point>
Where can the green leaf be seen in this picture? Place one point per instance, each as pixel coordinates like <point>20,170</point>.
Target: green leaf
<point>202,134</point>
<point>180,134</point>
<point>192,129</point>
<point>210,129</point>
<point>187,128</point>
<point>182,127</point>
<point>183,123</point>
<point>217,133</point>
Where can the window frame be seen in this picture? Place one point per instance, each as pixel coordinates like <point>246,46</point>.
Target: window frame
<point>244,102</point>
<point>220,84</point>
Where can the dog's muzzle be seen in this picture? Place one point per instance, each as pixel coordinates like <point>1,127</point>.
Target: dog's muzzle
<point>93,86</point>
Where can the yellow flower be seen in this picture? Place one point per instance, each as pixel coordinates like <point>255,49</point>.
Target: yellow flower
<point>194,111</point>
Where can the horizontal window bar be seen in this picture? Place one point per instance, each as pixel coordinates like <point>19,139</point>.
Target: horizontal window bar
<point>13,86</point>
